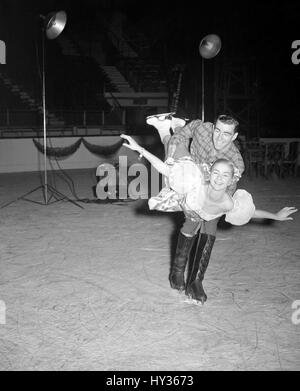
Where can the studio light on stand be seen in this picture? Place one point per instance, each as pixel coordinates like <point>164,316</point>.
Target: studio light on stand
<point>209,47</point>
<point>53,25</point>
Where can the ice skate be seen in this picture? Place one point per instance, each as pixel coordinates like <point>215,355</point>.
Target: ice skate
<point>194,288</point>
<point>177,123</point>
<point>184,245</point>
<point>192,301</point>
<point>161,117</point>
<point>162,122</point>
<point>196,293</point>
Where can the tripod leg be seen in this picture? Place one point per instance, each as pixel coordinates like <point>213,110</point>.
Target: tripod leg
<point>56,193</point>
<point>22,197</point>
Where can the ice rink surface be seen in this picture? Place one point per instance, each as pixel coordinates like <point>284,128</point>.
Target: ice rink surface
<point>88,289</point>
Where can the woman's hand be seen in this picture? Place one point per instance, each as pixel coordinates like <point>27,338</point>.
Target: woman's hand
<point>132,144</point>
<point>284,213</point>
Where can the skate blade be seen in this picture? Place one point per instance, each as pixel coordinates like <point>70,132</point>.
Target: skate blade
<point>160,117</point>
<point>189,300</point>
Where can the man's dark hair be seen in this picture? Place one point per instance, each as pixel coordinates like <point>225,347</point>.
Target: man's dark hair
<point>228,120</point>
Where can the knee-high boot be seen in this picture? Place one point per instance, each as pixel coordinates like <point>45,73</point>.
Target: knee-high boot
<point>184,245</point>
<point>197,269</point>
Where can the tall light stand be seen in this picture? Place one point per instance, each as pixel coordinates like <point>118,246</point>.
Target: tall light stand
<point>209,47</point>
<point>53,25</point>
<point>202,89</point>
<point>44,118</point>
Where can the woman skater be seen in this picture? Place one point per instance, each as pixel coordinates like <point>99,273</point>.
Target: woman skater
<point>200,192</point>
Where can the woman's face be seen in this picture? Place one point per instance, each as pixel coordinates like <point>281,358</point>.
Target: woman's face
<point>221,176</point>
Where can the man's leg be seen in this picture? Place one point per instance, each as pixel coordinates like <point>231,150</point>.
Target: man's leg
<point>185,243</point>
<point>200,260</point>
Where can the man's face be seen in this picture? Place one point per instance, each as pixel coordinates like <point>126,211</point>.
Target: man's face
<point>223,135</point>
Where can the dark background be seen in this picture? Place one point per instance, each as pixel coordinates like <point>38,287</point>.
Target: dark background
<point>257,31</point>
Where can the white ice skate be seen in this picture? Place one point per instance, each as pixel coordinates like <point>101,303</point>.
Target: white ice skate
<point>177,123</point>
<point>190,300</point>
<point>151,119</point>
<point>162,123</point>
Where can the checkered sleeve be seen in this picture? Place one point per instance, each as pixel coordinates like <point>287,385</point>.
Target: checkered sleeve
<point>182,136</point>
<point>239,163</point>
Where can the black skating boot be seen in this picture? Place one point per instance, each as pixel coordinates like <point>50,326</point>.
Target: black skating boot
<point>199,263</point>
<point>184,245</point>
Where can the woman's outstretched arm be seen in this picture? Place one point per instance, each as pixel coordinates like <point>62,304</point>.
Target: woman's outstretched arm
<point>158,164</point>
<point>282,215</point>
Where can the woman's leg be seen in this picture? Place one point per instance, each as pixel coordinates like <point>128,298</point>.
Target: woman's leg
<point>163,125</point>
<point>181,150</point>
<point>165,142</point>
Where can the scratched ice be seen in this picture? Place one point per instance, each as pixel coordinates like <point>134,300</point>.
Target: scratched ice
<point>87,289</point>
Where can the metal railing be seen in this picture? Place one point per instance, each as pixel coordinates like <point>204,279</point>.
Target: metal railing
<point>28,118</point>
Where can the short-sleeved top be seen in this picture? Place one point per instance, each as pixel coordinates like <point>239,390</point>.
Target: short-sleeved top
<point>186,191</point>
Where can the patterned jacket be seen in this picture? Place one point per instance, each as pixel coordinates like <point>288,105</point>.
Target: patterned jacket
<point>202,148</point>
